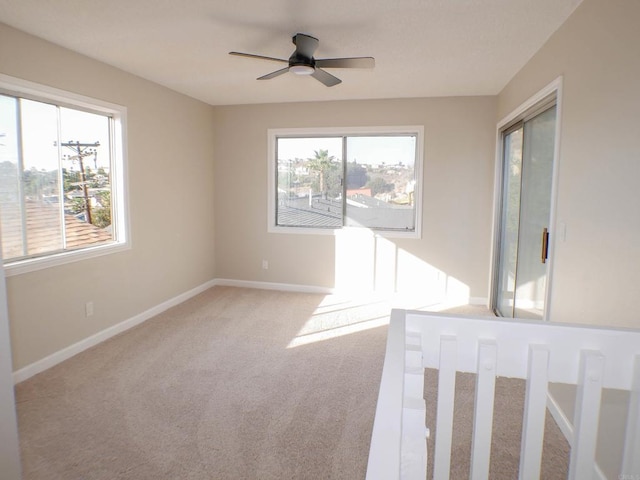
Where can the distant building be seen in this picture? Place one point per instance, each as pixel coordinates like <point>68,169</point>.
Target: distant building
<point>354,192</point>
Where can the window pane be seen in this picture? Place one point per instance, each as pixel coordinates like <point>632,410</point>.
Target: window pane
<point>40,182</point>
<point>381,182</point>
<point>309,180</point>
<point>86,169</point>
<point>55,194</point>
<point>512,173</point>
<point>11,207</point>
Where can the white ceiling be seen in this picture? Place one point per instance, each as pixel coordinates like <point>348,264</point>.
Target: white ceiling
<point>422,48</point>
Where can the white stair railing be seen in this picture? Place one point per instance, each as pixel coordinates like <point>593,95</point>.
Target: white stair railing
<point>591,358</point>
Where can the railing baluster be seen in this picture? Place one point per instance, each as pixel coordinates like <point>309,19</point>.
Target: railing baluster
<point>483,412</point>
<point>631,456</point>
<point>413,461</point>
<point>535,407</point>
<point>444,417</point>
<point>586,416</point>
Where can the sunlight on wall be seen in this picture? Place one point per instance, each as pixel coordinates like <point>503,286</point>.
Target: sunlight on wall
<point>367,262</point>
<point>355,260</point>
<point>373,276</point>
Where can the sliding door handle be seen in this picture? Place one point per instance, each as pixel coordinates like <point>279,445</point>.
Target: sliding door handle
<point>545,245</point>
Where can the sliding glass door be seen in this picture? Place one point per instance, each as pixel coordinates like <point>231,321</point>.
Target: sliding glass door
<point>528,153</point>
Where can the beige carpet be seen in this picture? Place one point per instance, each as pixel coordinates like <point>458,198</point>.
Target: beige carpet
<point>507,430</point>
<point>233,384</point>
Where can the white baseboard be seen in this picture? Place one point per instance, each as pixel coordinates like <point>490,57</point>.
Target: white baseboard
<point>479,301</point>
<point>285,287</point>
<point>291,287</point>
<point>68,352</point>
<point>561,419</point>
<point>566,427</point>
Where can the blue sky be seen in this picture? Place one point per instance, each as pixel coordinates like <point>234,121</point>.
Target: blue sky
<point>40,134</point>
<point>367,150</point>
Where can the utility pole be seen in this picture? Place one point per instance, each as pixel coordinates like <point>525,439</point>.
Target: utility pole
<point>80,151</point>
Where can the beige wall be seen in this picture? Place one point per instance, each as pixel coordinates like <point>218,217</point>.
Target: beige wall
<point>458,180</point>
<point>596,51</point>
<point>170,165</point>
<point>595,276</point>
<point>172,189</point>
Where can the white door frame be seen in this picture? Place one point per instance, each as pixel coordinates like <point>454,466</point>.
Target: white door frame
<point>553,87</point>
<point>9,445</point>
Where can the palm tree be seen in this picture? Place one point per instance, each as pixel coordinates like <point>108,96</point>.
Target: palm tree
<point>322,163</point>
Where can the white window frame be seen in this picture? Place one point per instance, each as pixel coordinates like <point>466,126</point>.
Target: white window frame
<point>119,184</point>
<point>555,88</point>
<point>274,133</point>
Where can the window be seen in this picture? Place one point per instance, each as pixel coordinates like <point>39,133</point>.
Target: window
<point>61,176</point>
<point>524,211</point>
<point>325,179</point>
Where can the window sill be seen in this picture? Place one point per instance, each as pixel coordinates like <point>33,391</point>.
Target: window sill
<point>344,231</point>
<point>34,264</point>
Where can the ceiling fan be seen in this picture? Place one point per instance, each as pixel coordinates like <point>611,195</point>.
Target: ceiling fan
<point>302,62</point>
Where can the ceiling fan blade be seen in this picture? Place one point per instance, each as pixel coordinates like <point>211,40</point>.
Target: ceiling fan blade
<point>261,57</point>
<point>277,73</point>
<point>352,62</point>
<point>305,44</point>
<point>325,77</point>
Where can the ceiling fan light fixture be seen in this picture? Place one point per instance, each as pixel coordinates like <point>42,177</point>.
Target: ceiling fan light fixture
<point>302,69</point>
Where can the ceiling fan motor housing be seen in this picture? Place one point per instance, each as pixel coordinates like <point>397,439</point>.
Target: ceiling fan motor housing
<point>306,45</point>
<point>299,60</point>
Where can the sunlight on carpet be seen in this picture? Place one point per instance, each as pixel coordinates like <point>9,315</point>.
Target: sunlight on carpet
<point>336,316</point>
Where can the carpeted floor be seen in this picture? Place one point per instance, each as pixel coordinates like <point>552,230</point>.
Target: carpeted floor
<point>233,384</point>
<point>507,430</point>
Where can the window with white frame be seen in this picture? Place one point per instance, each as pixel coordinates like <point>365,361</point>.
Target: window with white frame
<point>326,179</point>
<point>61,176</point>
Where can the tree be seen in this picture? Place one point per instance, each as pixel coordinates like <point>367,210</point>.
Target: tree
<point>378,185</point>
<point>322,163</point>
<point>39,183</point>
<point>77,205</point>
<point>356,175</point>
<point>333,182</point>
<point>8,181</point>
<point>101,216</point>
<point>71,180</point>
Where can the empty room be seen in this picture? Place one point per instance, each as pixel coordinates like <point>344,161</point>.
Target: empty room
<point>221,222</point>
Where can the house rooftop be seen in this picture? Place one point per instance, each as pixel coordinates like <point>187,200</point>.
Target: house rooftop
<point>43,230</point>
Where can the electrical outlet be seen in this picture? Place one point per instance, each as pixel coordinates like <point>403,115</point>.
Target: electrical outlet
<point>88,309</point>
<point>265,264</point>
